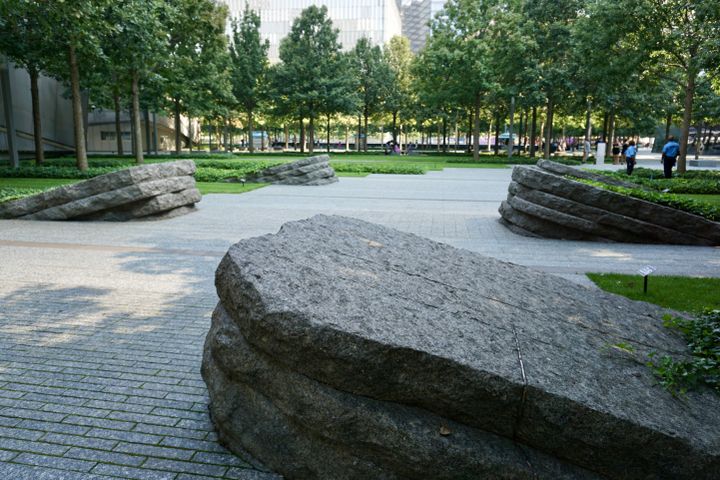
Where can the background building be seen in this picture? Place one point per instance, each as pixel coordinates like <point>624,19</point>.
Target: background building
<point>55,113</point>
<point>416,15</point>
<point>378,20</point>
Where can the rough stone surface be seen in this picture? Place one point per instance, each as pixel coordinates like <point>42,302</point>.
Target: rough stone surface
<point>545,201</point>
<point>307,171</point>
<point>342,349</point>
<point>154,191</point>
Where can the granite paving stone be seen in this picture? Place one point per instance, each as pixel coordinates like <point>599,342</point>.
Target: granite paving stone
<point>105,318</point>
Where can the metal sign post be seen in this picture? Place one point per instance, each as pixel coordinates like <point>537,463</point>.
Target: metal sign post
<point>645,272</point>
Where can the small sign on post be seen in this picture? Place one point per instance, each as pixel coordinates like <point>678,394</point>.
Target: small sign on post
<point>645,272</point>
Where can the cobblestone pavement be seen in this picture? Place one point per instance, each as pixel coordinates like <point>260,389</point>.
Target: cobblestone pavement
<point>102,325</point>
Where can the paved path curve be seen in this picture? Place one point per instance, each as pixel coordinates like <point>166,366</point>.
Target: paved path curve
<point>101,325</point>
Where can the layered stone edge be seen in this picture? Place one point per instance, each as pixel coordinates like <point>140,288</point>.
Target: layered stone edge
<point>545,201</point>
<point>308,171</point>
<point>157,191</point>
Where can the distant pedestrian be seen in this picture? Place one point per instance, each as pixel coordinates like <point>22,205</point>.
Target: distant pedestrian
<point>669,155</point>
<point>616,153</point>
<point>631,157</point>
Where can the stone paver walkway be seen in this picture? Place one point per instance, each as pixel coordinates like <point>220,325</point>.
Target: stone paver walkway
<point>102,325</point>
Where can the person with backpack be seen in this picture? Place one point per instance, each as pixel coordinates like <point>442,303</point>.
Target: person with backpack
<point>669,155</point>
<point>630,156</point>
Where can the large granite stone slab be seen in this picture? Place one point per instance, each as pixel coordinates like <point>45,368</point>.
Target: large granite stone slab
<point>306,171</point>
<point>158,190</point>
<point>341,338</point>
<point>546,201</point>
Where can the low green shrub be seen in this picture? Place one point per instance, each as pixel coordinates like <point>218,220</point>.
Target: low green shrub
<point>693,181</point>
<point>12,193</point>
<point>702,366</point>
<point>392,168</point>
<point>54,172</point>
<point>706,210</point>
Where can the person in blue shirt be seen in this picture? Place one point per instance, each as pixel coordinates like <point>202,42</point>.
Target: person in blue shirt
<point>669,155</point>
<point>630,155</point>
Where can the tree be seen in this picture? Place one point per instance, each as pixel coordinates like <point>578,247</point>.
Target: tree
<point>682,35</point>
<point>399,92</point>
<point>24,38</point>
<point>136,44</point>
<point>196,78</point>
<point>548,23</point>
<point>249,64</point>
<point>373,74</point>
<point>77,27</point>
<point>309,58</point>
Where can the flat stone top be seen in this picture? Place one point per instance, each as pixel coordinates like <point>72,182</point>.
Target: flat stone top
<point>372,310</point>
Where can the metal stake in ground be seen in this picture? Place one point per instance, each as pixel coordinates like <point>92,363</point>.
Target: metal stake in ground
<point>645,272</point>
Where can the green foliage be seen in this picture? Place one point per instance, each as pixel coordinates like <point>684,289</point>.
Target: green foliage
<point>687,294</point>
<point>693,181</point>
<point>395,168</point>
<point>703,365</point>
<point>669,200</point>
<point>13,193</point>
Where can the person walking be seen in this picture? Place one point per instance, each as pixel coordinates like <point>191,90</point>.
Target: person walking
<point>622,151</point>
<point>630,156</point>
<point>669,155</point>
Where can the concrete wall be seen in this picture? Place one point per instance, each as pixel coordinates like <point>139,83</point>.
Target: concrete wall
<point>55,113</point>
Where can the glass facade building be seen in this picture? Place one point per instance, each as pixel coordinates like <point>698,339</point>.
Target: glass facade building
<point>416,15</point>
<point>378,20</point>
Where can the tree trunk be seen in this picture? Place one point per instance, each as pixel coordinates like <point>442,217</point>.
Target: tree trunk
<point>394,128</point>
<point>137,135</point>
<point>612,130</point>
<point>496,149</point>
<point>444,134</point>
<point>366,132</point>
<point>359,133</point>
<point>668,124</point>
<point>511,140</point>
<point>80,151</point>
<point>687,118</point>
<point>476,128</point>
<point>606,119</point>
<point>588,130</point>
<point>287,137</point>
<point>191,134</point>
<point>302,135</point>
<point>328,133</point>
<point>533,136</point>
<point>347,138</point>
<point>155,133</point>
<point>37,126</point>
<point>178,144</point>
<point>548,128</point>
<point>311,134</point>
<point>250,128</point>
<point>148,140</point>
<point>118,126</point>
<point>698,140</point>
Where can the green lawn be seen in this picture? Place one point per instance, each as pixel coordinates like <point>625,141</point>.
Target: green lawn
<point>689,294</point>
<point>39,183</point>
<point>711,199</point>
<point>19,185</point>
<point>221,187</point>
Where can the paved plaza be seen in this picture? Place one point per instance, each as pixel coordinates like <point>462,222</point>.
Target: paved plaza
<point>102,324</point>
